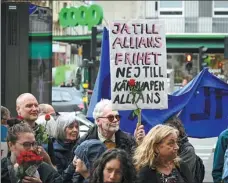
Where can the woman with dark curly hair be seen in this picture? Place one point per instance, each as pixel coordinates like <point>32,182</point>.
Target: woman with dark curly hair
<point>114,166</point>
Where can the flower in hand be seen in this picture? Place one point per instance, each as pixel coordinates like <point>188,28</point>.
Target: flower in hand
<point>42,135</point>
<point>28,163</point>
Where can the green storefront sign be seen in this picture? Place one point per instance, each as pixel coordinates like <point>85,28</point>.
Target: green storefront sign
<point>84,15</point>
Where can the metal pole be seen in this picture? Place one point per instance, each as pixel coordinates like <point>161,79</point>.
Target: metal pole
<point>226,47</point>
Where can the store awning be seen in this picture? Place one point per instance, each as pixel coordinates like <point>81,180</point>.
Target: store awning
<point>40,50</point>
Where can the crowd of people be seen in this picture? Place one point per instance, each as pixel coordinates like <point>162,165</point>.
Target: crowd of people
<point>105,154</point>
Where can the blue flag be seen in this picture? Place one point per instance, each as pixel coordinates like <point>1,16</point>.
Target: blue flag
<point>201,103</point>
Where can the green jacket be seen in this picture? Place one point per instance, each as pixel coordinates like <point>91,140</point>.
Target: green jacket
<point>219,153</point>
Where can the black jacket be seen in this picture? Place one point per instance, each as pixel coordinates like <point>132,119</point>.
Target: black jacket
<point>63,154</point>
<point>187,154</point>
<point>148,175</point>
<point>47,173</point>
<point>124,140</point>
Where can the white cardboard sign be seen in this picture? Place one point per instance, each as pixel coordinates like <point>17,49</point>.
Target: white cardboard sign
<point>138,51</point>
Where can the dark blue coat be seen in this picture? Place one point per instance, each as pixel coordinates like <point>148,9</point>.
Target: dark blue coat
<point>63,154</point>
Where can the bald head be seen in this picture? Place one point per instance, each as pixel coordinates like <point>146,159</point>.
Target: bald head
<point>21,98</point>
<point>46,109</point>
<point>27,107</point>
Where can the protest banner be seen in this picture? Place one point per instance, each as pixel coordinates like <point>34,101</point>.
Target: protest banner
<point>4,146</point>
<point>138,51</point>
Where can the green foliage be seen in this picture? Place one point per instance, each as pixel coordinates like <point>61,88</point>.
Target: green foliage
<point>41,135</point>
<point>137,111</point>
<point>136,90</point>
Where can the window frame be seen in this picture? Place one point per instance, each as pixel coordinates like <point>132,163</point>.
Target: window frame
<point>218,10</point>
<point>170,10</point>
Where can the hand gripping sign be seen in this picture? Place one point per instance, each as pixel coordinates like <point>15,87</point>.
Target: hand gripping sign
<point>84,15</point>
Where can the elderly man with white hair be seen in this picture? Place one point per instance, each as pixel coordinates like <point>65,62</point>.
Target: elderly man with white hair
<point>107,129</point>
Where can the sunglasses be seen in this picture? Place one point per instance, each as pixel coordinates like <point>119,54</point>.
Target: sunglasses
<point>28,145</point>
<point>112,117</point>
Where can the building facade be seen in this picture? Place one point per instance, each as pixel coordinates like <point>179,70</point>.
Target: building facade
<point>189,25</point>
<point>192,24</point>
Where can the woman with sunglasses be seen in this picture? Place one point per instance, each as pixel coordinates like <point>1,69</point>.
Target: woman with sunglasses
<point>21,138</point>
<point>107,128</point>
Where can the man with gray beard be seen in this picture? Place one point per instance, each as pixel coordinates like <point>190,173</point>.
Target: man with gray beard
<point>107,129</point>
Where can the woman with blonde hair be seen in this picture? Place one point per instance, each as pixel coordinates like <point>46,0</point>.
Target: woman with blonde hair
<point>156,158</point>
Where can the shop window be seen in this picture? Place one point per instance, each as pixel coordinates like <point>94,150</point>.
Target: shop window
<point>177,63</point>
<point>217,66</point>
<point>220,8</point>
<point>171,8</point>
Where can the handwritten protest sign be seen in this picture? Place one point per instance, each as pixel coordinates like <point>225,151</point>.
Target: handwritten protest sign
<point>138,51</point>
<point>4,146</point>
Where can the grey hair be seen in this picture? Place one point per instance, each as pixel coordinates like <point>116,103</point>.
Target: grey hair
<point>43,109</point>
<point>51,124</point>
<point>4,112</point>
<point>62,122</point>
<point>99,108</point>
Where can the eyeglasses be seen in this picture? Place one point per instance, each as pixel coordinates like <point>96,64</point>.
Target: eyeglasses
<point>112,117</point>
<point>28,145</point>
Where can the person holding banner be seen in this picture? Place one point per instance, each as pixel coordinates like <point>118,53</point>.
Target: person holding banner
<point>107,129</point>
<point>156,158</point>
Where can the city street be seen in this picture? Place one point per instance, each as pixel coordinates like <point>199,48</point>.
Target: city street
<point>204,149</point>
